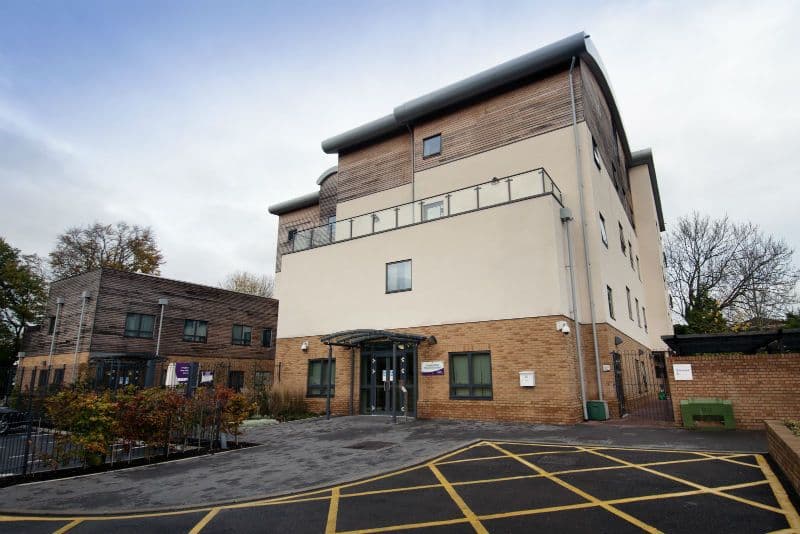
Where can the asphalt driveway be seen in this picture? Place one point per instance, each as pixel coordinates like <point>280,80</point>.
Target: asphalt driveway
<point>502,486</point>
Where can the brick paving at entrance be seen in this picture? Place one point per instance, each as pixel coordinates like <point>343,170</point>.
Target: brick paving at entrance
<point>502,486</point>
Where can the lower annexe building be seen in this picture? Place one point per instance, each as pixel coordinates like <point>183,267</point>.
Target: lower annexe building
<point>485,251</point>
<point>114,328</point>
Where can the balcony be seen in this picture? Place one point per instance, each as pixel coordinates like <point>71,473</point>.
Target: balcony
<point>496,192</point>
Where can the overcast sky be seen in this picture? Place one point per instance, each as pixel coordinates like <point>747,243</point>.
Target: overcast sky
<point>192,117</point>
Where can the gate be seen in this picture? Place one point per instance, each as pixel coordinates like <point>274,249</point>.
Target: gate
<point>642,388</point>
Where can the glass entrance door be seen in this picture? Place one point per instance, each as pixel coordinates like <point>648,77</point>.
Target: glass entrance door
<point>377,397</point>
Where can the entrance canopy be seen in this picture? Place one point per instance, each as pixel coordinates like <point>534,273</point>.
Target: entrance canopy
<point>354,338</point>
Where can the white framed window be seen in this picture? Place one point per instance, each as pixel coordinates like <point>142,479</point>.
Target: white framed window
<point>398,276</point>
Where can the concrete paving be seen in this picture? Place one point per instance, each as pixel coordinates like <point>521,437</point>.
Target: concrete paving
<point>316,453</point>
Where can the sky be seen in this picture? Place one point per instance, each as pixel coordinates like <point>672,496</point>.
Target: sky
<point>192,117</point>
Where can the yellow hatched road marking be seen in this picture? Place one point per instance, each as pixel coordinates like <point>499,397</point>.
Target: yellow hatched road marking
<point>498,457</point>
<point>205,521</point>
<point>69,526</point>
<point>730,459</point>
<point>408,526</point>
<point>468,513</point>
<point>780,494</point>
<point>690,483</point>
<point>333,511</point>
<point>644,526</point>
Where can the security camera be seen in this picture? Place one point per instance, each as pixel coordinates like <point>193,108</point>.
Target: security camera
<point>562,327</point>
<point>565,330</point>
<point>304,346</point>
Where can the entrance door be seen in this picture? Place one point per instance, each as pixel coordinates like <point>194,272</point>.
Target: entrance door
<point>377,397</point>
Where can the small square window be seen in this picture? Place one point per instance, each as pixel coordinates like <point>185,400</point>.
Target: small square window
<point>470,375</point>
<point>139,325</point>
<point>398,276</point>
<point>432,210</point>
<point>195,331</point>
<point>241,334</point>
<point>603,234</point>
<point>432,146</point>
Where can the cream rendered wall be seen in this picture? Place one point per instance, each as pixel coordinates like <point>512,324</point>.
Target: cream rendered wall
<point>656,293</point>
<point>373,202</point>
<point>499,263</point>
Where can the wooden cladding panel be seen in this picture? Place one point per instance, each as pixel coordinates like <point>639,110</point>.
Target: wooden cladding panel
<point>601,125</point>
<point>122,293</point>
<point>532,109</point>
<point>377,167</point>
<point>301,219</point>
<point>328,195</point>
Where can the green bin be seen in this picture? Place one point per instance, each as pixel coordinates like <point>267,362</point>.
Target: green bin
<point>703,410</point>
<point>597,410</point>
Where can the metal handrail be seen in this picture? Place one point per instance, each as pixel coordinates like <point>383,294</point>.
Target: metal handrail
<point>520,186</point>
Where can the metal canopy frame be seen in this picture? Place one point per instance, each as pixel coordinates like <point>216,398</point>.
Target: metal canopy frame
<point>353,339</point>
<point>773,341</point>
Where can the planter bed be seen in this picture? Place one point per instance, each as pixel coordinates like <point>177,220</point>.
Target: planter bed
<point>784,448</point>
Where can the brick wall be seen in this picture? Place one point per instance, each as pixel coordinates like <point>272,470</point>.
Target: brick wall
<point>515,345</point>
<point>760,386</point>
<point>784,447</point>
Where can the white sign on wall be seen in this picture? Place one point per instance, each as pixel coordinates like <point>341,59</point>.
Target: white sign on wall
<point>432,368</point>
<point>682,371</point>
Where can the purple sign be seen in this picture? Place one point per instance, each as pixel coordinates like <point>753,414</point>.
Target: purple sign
<point>182,372</point>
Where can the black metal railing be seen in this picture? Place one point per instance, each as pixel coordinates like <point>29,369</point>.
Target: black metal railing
<point>494,192</point>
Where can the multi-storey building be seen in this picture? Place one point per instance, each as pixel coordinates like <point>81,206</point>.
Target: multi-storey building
<point>466,232</point>
<point>119,328</point>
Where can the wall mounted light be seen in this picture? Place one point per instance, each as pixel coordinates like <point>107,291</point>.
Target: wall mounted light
<point>304,346</point>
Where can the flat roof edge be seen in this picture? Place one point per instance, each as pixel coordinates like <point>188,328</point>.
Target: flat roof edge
<point>645,157</point>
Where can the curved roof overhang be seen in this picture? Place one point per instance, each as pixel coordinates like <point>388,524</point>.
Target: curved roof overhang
<point>327,174</point>
<point>311,199</point>
<point>536,62</point>
<point>354,338</point>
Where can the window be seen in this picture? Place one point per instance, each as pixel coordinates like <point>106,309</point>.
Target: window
<point>596,153</point>
<point>638,317</point>
<point>603,234</point>
<point>432,210</point>
<point>139,325</point>
<point>644,318</point>
<point>631,255</point>
<point>318,378</point>
<point>638,268</point>
<point>610,302</point>
<point>194,330</point>
<point>44,376</point>
<point>51,326</point>
<point>241,334</point>
<point>470,375</point>
<point>262,380</point>
<point>266,337</point>
<point>630,306</point>
<point>432,146</point>
<point>398,276</point>
<point>236,380</point>
<point>292,235</point>
<point>58,377</point>
<point>621,238</point>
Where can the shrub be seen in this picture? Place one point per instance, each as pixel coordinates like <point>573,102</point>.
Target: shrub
<point>85,424</point>
<point>286,404</point>
<point>794,426</point>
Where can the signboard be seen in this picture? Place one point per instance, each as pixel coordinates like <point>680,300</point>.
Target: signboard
<point>527,379</point>
<point>432,368</point>
<point>182,371</point>
<point>206,377</point>
<point>682,371</point>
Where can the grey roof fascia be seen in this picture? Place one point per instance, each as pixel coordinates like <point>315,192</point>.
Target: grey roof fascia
<point>645,157</point>
<point>329,172</point>
<point>286,206</point>
<point>366,132</point>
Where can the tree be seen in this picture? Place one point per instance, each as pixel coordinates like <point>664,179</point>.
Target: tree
<point>747,274</point>
<point>792,319</point>
<point>118,246</point>
<point>23,292</point>
<point>703,317</point>
<point>262,285</point>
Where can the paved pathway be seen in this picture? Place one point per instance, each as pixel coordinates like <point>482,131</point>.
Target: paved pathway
<point>315,453</point>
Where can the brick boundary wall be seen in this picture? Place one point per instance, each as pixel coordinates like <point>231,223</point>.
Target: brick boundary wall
<point>760,386</point>
<point>784,447</point>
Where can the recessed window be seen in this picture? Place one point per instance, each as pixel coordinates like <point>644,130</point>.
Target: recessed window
<point>58,377</point>
<point>318,378</point>
<point>139,325</point>
<point>398,276</point>
<point>266,337</point>
<point>236,380</point>
<point>51,326</point>
<point>603,234</point>
<point>195,331</point>
<point>644,318</point>
<point>432,146</point>
<point>241,334</point>
<point>630,306</point>
<point>432,210</point>
<point>44,378</point>
<point>638,268</point>
<point>470,375</point>
<point>610,294</point>
<point>638,315</point>
<point>631,255</point>
<point>596,153</point>
<point>622,238</point>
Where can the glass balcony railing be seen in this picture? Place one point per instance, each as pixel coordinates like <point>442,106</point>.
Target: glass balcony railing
<point>495,192</point>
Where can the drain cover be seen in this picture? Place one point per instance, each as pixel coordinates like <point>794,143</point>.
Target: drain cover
<point>370,445</point>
